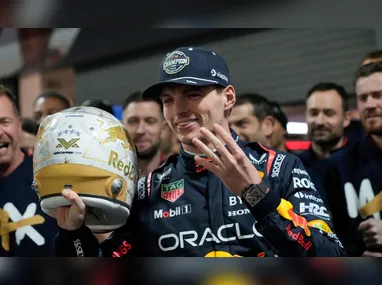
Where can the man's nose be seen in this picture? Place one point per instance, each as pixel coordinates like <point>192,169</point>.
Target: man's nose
<point>180,106</point>
<point>141,128</point>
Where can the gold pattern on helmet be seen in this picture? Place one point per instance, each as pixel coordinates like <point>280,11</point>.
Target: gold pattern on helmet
<point>89,149</point>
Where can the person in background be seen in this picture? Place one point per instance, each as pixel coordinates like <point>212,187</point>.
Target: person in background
<point>25,229</point>
<point>255,119</point>
<point>327,117</point>
<point>144,121</point>
<point>354,177</point>
<point>100,104</point>
<point>49,103</point>
<point>280,126</point>
<point>30,129</point>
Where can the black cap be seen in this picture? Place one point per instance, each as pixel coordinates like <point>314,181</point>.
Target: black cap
<point>193,66</point>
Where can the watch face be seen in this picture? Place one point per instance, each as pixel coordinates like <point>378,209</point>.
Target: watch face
<point>253,195</point>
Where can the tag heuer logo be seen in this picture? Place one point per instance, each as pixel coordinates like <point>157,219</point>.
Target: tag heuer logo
<point>172,191</point>
<point>69,144</point>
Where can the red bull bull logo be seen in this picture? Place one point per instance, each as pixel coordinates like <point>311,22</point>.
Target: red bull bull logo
<point>117,133</point>
<point>285,209</point>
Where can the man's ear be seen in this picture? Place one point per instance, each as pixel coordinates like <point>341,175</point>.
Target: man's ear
<point>347,119</point>
<point>268,125</point>
<point>230,96</point>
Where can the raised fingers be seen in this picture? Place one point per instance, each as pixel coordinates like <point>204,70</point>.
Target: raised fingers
<point>216,143</point>
<point>206,150</point>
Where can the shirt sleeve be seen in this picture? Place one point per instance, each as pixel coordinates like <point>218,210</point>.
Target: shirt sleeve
<point>293,216</point>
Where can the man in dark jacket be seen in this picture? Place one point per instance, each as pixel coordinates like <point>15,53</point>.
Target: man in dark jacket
<point>354,175</point>
<point>219,197</point>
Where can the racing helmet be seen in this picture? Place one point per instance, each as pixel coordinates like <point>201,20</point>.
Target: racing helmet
<point>89,150</point>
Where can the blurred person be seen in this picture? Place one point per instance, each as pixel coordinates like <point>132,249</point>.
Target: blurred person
<point>144,121</point>
<point>219,196</point>
<point>371,57</point>
<point>354,178</point>
<point>327,117</point>
<point>29,131</point>
<point>280,126</point>
<point>35,51</point>
<point>254,120</point>
<point>100,104</point>
<point>25,229</point>
<point>49,103</point>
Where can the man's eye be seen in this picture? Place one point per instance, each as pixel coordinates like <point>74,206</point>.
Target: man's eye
<point>166,100</point>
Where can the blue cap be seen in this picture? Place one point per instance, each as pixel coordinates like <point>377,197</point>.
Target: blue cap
<point>192,66</point>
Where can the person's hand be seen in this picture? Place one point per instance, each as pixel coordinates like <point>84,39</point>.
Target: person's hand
<point>371,231</point>
<point>372,254</point>
<point>232,165</point>
<point>71,217</point>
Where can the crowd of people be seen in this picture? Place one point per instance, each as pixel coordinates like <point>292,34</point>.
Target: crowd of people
<point>257,198</point>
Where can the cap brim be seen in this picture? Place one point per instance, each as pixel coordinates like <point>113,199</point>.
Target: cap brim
<point>155,90</point>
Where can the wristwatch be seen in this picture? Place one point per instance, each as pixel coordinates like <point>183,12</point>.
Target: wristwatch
<point>254,193</point>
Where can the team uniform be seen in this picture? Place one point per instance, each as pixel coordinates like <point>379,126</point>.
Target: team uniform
<point>182,209</point>
<point>25,229</point>
<point>353,179</point>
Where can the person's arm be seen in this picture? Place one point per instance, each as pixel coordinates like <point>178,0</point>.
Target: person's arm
<point>84,243</point>
<point>75,239</point>
<point>293,216</point>
<point>280,221</point>
<point>80,242</point>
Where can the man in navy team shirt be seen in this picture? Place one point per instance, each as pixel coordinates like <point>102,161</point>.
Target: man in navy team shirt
<point>355,176</point>
<point>25,229</point>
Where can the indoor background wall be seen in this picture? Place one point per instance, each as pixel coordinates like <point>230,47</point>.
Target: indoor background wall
<point>280,63</point>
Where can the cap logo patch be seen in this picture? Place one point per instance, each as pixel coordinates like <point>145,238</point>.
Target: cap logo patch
<point>175,62</point>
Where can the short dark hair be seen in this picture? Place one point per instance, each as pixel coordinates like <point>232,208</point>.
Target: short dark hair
<point>29,126</point>
<point>261,106</point>
<point>100,104</point>
<point>56,95</point>
<point>327,86</point>
<point>137,97</point>
<point>279,114</point>
<point>5,91</point>
<point>373,56</point>
<point>367,70</point>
